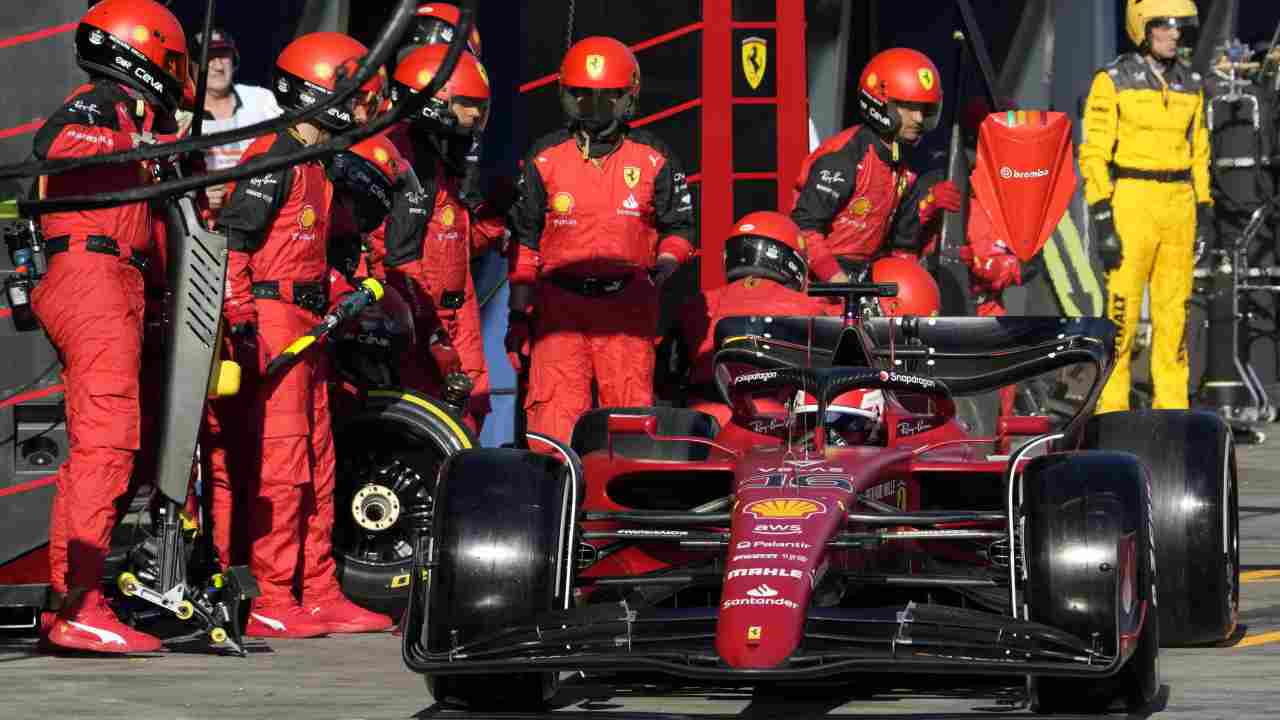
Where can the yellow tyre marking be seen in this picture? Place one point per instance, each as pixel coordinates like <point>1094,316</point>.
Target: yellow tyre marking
<point>442,415</point>
<point>1262,639</point>
<point>1259,575</point>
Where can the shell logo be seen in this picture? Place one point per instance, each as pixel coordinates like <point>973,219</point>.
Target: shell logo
<point>447,216</point>
<point>308,217</point>
<point>861,206</point>
<point>380,154</point>
<point>141,34</point>
<point>562,203</point>
<point>872,81</point>
<point>785,508</point>
<point>595,66</point>
<point>483,75</point>
<point>926,78</point>
<point>324,71</point>
<point>424,77</point>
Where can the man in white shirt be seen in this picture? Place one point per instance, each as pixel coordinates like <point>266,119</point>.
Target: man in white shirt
<point>228,105</point>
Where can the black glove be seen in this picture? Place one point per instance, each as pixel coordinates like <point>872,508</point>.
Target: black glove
<point>1104,229</point>
<point>1206,231</point>
<point>1032,269</point>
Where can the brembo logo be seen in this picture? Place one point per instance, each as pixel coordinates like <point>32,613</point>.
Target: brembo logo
<point>1009,173</point>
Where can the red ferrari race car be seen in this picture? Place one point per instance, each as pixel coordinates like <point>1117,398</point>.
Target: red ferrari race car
<point>811,538</point>
<point>848,520</point>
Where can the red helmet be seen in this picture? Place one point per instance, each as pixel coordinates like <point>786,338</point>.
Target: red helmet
<point>599,84</point>
<point>367,174</point>
<point>899,75</point>
<point>468,85</point>
<point>436,23</point>
<point>309,69</point>
<point>766,244</point>
<point>918,293</point>
<point>139,43</point>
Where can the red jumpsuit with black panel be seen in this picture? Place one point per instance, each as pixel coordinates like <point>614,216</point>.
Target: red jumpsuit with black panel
<point>586,233</point>
<point>432,267</point>
<point>91,304</point>
<point>276,227</point>
<point>855,201</point>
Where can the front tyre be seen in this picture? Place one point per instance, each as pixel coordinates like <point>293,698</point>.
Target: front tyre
<point>502,546</point>
<point>1089,571</point>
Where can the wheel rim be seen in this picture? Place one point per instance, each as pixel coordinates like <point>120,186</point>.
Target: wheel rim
<point>384,473</point>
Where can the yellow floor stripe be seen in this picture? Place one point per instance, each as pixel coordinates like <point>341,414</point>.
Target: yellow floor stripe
<point>1259,639</point>
<point>1257,575</point>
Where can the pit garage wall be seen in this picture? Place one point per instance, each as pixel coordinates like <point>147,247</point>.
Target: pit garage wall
<point>39,70</point>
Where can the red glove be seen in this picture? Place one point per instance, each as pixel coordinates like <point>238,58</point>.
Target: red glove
<point>519,334</point>
<point>942,196</point>
<point>1000,271</point>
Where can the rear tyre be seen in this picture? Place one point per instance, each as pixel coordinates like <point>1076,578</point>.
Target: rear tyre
<point>1195,506</point>
<point>388,456</point>
<point>1088,557</point>
<point>502,542</point>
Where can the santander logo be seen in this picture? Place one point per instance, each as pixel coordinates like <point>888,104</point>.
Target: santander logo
<point>1009,173</point>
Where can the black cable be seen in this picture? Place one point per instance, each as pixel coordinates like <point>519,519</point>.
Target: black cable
<point>263,165</point>
<point>382,49</point>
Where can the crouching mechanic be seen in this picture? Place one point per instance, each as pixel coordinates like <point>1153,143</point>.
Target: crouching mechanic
<point>765,264</point>
<point>1145,162</point>
<point>277,229</point>
<point>433,268</point>
<point>600,204</point>
<point>91,301</point>
<point>856,199</point>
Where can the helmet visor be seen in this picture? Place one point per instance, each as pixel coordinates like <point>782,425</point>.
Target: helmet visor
<point>747,255</point>
<point>930,113</point>
<point>1188,29</point>
<point>434,31</point>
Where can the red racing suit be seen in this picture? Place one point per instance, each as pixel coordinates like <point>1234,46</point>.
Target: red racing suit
<point>430,262</point>
<point>586,232</point>
<point>748,296</point>
<point>91,304</point>
<point>277,229</point>
<point>853,193</point>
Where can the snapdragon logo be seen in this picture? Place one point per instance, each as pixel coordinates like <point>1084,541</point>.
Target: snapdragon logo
<point>755,377</point>
<point>1009,173</point>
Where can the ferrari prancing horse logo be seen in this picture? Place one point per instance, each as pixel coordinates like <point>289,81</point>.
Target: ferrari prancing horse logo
<point>926,78</point>
<point>631,175</point>
<point>755,59</point>
<point>595,66</point>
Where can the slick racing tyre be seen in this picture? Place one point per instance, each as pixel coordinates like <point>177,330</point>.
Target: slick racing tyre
<point>502,545</point>
<point>388,454</point>
<point>1191,459</point>
<point>1087,548</point>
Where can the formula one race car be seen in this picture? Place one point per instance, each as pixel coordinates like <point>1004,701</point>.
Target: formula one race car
<point>811,538</point>
<point>845,521</point>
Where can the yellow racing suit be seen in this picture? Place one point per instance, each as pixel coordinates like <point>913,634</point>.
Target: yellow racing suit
<point>1146,150</point>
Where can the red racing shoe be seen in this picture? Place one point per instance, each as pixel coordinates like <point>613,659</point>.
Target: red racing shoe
<point>90,626</point>
<point>340,615</point>
<point>287,621</point>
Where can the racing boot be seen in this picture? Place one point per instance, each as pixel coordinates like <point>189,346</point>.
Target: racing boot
<point>88,625</point>
<point>283,621</point>
<point>340,615</point>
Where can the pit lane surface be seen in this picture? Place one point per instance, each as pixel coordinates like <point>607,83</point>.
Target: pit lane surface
<point>362,676</point>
